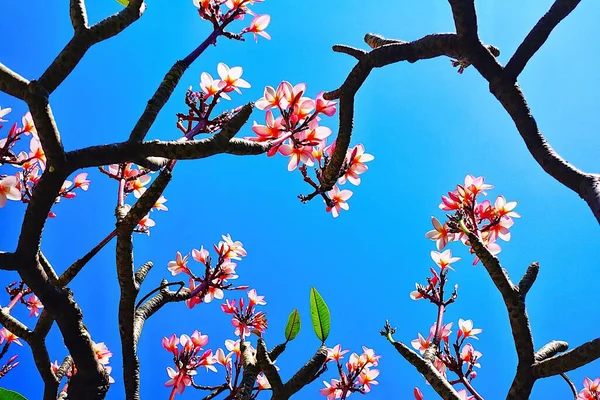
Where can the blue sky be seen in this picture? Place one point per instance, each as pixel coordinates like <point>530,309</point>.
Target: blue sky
<point>427,127</point>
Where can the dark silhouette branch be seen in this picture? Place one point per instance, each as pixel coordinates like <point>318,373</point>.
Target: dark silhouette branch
<point>78,15</point>
<point>529,278</point>
<point>570,360</point>
<point>538,36</point>
<point>12,83</point>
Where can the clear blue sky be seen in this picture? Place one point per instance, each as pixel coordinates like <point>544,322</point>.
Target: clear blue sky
<point>427,127</point>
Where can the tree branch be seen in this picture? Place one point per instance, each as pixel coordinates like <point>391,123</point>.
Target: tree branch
<point>12,83</point>
<point>538,36</point>
<point>8,261</point>
<point>78,15</point>
<point>529,278</point>
<point>267,366</point>
<point>550,349</point>
<point>572,359</point>
<point>14,325</point>
<point>142,272</point>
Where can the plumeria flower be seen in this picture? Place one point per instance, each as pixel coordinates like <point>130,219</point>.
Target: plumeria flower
<point>200,255</point>
<point>416,294</point>
<point>145,224</point>
<point>591,390</point>
<point>232,78</point>
<point>9,190</point>
<point>470,355</point>
<point>3,113</point>
<point>221,358</point>
<point>213,293</point>
<point>298,154</point>
<point>440,234</point>
<point>102,353</point>
<point>444,332</point>
<point>179,379</point>
<point>356,160</point>
<point>258,26</point>
<point>367,378</point>
<point>505,209</point>
<point>262,382</point>
<point>339,200</point>
<point>335,353</point>
<point>326,107</point>
<point>466,329</point>
<point>179,265</point>
<point>171,343</point>
<point>271,131</point>
<point>34,305</point>
<point>81,181</point>
<point>160,204</point>
<point>421,343</point>
<point>476,185</point>
<point>331,391</point>
<point>464,395</point>
<point>10,337</point>
<point>236,249</point>
<point>138,186</point>
<point>444,259</point>
<point>28,126</point>
<point>37,153</point>
<point>212,87</point>
<point>255,299</point>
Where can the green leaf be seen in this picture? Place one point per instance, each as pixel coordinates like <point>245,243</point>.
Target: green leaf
<point>293,326</point>
<point>319,312</point>
<point>124,2</point>
<point>6,394</point>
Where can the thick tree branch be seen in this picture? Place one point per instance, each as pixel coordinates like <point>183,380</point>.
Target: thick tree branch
<point>517,315</point>
<point>465,19</point>
<point>437,381</point>
<point>538,36</point>
<point>550,349</point>
<point>83,39</point>
<point>43,364</point>
<point>78,15</point>
<point>529,278</point>
<point>304,376</point>
<point>14,325</point>
<point>8,261</point>
<point>142,272</point>
<point>572,359</point>
<point>48,268</point>
<point>267,366</point>
<point>12,83</point>
<point>251,371</point>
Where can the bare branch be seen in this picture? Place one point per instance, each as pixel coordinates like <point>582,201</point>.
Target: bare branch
<point>8,261</point>
<point>571,385</point>
<point>12,83</point>
<point>538,36</point>
<point>142,272</point>
<point>43,364</point>
<point>374,41</point>
<point>465,19</point>
<point>351,51</point>
<point>78,15</point>
<point>550,349</point>
<point>529,278</point>
<point>83,39</point>
<point>267,366</point>
<point>305,375</point>
<point>14,325</point>
<point>572,359</point>
<point>48,268</point>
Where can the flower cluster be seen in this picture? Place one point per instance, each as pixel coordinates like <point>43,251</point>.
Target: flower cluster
<point>30,164</point>
<point>211,285</point>
<point>213,11</point>
<point>247,319</point>
<point>488,221</point>
<point>134,179</point>
<point>462,394</point>
<point>296,133</point>
<point>68,368</point>
<point>187,359</point>
<point>358,376</point>
<point>591,390</point>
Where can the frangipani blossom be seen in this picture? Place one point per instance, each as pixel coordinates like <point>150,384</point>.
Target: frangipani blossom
<point>179,265</point>
<point>258,26</point>
<point>211,86</point>
<point>440,234</point>
<point>102,353</point>
<point>331,391</point>
<point>81,181</point>
<point>179,379</point>
<point>272,130</point>
<point>232,78</point>
<point>326,107</point>
<point>256,299</point>
<point>34,305</point>
<point>160,204</point>
<point>466,329</point>
<point>298,154</point>
<point>476,185</point>
<point>9,190</point>
<point>356,160</point>
<point>336,353</point>
<point>37,153</point>
<point>421,343</point>
<point>10,337</point>
<point>367,378</point>
<point>505,209</point>
<point>444,259</point>
<point>470,355</point>
<point>339,200</point>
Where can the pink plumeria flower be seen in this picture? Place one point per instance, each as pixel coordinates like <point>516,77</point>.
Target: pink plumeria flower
<point>28,126</point>
<point>369,356</point>
<point>37,153</point>
<point>171,343</point>
<point>298,154</point>
<point>108,369</point>
<point>326,107</point>
<point>470,355</point>
<point>3,113</point>
<point>591,390</point>
<point>102,353</point>
<point>232,78</point>
<point>179,265</point>
<point>145,224</point>
<point>138,186</point>
<point>336,353</point>
<point>316,134</point>
<point>211,86</point>
<point>466,329</point>
<point>213,293</point>
<point>339,199</point>
<point>255,299</point>
<point>160,204</point>
<point>81,181</point>
<point>199,340</point>
<point>367,378</point>
<point>200,255</point>
<point>356,160</point>
<point>9,190</point>
<point>500,230</point>
<point>233,346</point>
<point>421,343</point>
<point>262,382</point>
<point>258,26</point>
<point>416,294</point>
<point>444,259</point>
<point>10,337</point>
<point>440,234</point>
<point>34,305</point>
<point>271,131</point>
<point>221,358</point>
<point>179,379</point>
<point>476,185</point>
<point>331,391</point>
<point>444,332</point>
<point>464,395</point>
<point>236,249</point>
<point>506,208</point>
